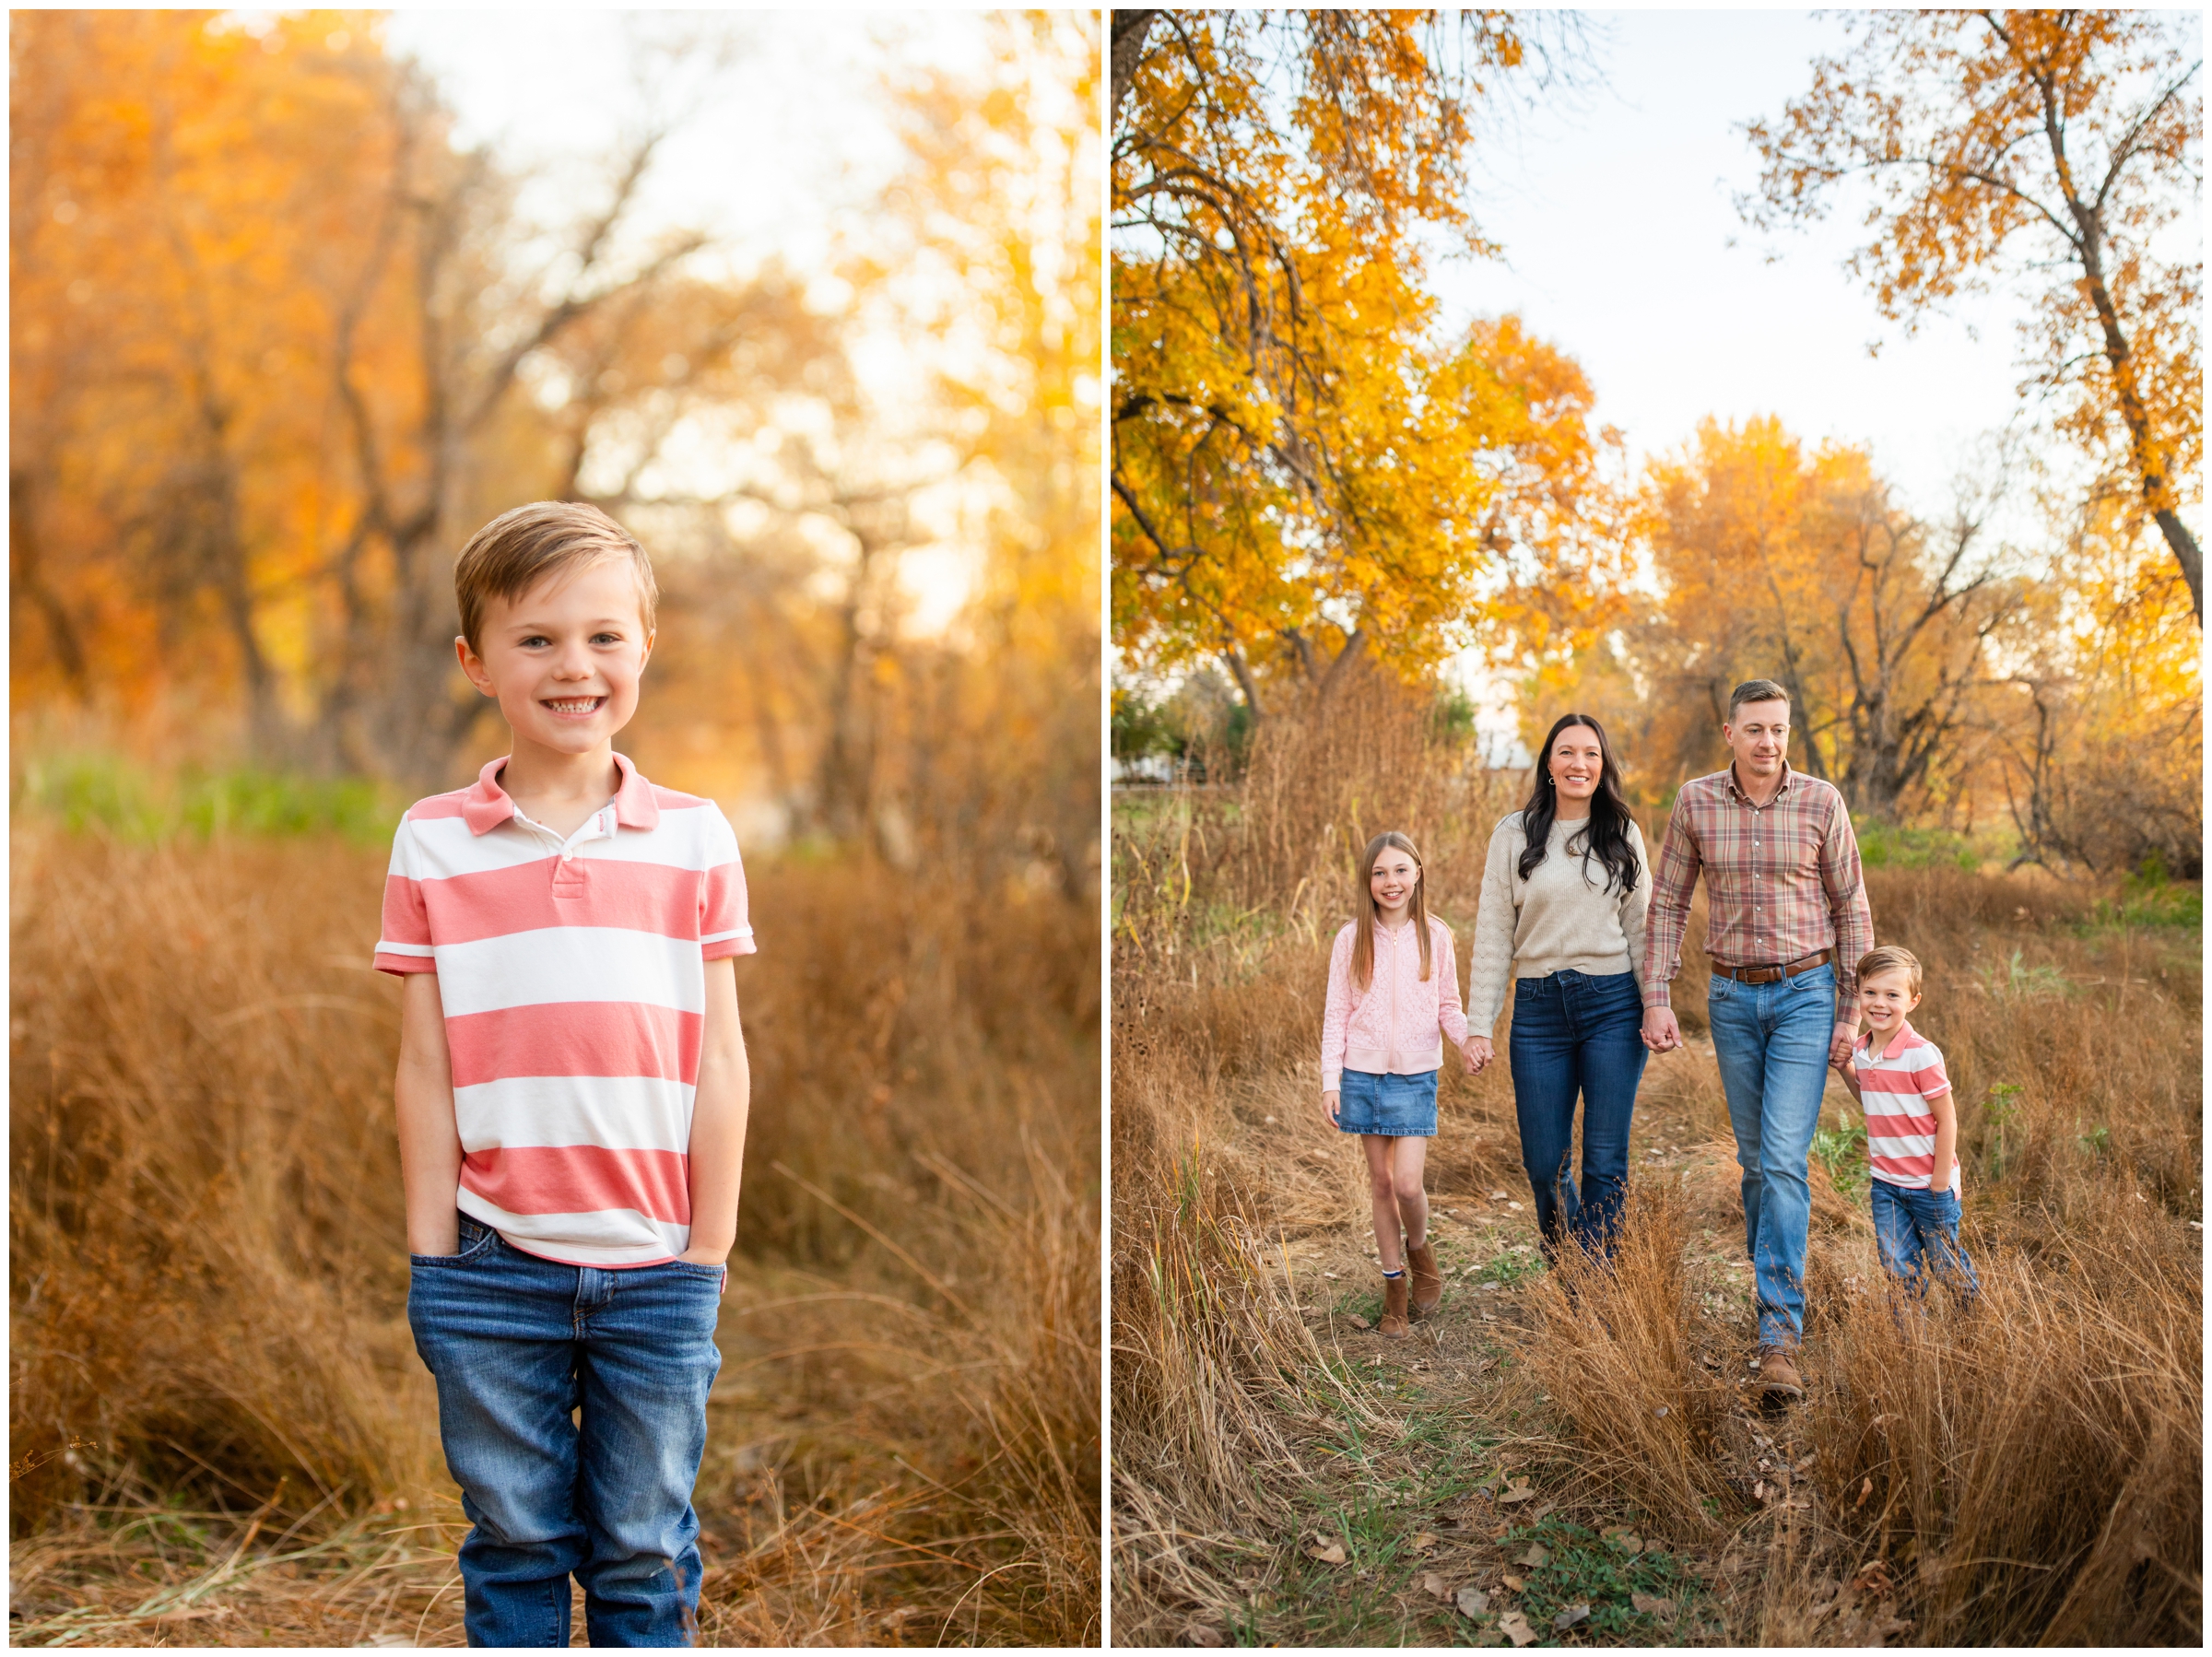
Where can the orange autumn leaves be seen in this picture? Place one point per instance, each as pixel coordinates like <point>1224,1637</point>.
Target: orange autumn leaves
<point>1305,467</point>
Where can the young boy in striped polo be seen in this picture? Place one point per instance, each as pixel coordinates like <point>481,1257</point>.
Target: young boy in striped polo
<point>1897,1075</point>
<point>572,1100</point>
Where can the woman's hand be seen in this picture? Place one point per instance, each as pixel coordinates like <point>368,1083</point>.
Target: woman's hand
<point>1477,1053</point>
<point>1328,1107</point>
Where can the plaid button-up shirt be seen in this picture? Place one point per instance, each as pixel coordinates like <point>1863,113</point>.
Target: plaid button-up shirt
<point>1782,882</point>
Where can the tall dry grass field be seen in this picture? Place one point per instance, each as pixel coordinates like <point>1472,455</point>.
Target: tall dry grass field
<point>2028,1471</point>
<point>219,1430</point>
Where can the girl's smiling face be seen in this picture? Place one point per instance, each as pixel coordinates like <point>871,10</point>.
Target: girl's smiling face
<point>1885,998</point>
<point>1393,883</point>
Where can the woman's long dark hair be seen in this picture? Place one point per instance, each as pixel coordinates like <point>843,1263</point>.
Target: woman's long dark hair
<point>1607,838</point>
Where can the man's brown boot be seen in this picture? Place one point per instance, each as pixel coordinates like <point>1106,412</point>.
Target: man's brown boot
<point>1778,1377</point>
<point>1428,1282</point>
<point>1393,1305</point>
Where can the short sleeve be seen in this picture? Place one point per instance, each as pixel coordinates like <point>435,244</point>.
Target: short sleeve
<point>1929,1078</point>
<point>724,922</point>
<point>403,945</point>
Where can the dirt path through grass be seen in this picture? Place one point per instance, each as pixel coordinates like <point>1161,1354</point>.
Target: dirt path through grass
<point>1448,1494</point>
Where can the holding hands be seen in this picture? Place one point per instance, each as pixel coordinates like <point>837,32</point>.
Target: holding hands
<point>1660,1032</point>
<point>1477,1053</point>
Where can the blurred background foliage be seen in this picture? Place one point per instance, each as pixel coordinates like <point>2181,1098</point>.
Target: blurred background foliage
<point>284,333</point>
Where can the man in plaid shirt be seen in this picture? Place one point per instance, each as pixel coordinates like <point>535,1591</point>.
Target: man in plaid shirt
<point>1786,921</point>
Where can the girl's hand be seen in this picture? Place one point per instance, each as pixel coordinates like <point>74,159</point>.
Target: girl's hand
<point>1477,1054</point>
<point>1328,1107</point>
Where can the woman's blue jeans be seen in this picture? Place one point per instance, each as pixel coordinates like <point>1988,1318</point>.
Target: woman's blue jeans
<point>1771,1041</point>
<point>517,1344</point>
<point>1576,1035</point>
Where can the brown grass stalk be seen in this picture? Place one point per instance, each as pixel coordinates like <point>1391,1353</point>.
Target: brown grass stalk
<point>209,1279</point>
<point>2028,1470</point>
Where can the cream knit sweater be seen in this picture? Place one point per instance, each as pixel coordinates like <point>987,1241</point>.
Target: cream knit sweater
<point>1557,920</point>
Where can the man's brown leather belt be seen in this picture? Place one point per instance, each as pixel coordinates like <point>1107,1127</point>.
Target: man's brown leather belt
<point>1767,975</point>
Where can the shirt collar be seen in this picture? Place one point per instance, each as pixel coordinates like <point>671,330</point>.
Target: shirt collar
<point>1898,1043</point>
<point>486,805</point>
<point>1736,788</point>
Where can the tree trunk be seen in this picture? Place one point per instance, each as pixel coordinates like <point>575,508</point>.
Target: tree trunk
<point>1130,30</point>
<point>26,580</point>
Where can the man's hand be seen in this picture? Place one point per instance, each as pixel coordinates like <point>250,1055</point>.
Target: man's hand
<point>1841,1042</point>
<point>1328,1107</point>
<point>1661,1033</point>
<point>1477,1053</point>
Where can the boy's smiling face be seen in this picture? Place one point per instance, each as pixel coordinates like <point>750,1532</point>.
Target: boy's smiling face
<point>565,658</point>
<point>1885,998</point>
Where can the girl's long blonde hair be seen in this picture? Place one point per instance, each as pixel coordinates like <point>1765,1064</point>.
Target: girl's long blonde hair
<point>1417,911</point>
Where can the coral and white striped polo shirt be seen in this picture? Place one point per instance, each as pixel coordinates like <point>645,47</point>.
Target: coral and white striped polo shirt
<point>1894,1088</point>
<point>573,978</point>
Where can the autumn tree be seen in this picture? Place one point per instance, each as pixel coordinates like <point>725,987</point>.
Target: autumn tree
<point>2061,148</point>
<point>1771,562</point>
<point>1306,468</point>
<point>2100,728</point>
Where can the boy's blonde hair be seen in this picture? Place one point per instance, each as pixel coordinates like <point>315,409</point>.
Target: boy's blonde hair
<point>1889,958</point>
<point>519,548</point>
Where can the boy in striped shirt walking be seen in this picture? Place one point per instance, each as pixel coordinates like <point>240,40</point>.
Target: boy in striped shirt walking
<point>571,1099</point>
<point>1897,1075</point>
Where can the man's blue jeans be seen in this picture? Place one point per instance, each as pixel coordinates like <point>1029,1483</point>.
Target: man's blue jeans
<point>517,1344</point>
<point>1916,1232</point>
<point>1576,1034</point>
<point>1772,1040</point>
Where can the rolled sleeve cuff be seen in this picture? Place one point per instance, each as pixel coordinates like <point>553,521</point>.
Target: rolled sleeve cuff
<point>721,945</point>
<point>401,959</point>
<point>1332,1081</point>
<point>1656,995</point>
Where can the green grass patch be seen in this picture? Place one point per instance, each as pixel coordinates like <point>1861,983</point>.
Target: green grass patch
<point>1513,1266</point>
<point>2151,901</point>
<point>103,793</point>
<point>1890,846</point>
<point>1842,1152</point>
<point>1582,1567</point>
<point>2012,981</point>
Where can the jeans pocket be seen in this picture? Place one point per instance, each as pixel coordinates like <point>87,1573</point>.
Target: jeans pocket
<point>473,1247</point>
<point>1720,989</point>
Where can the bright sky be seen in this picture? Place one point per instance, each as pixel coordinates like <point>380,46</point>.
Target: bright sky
<point>787,149</point>
<point>1622,246</point>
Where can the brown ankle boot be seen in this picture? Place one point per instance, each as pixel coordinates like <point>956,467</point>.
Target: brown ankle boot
<point>1428,1282</point>
<point>1778,1377</point>
<point>1393,1307</point>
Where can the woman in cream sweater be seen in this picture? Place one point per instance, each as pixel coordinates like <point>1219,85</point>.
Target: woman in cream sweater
<point>1563,899</point>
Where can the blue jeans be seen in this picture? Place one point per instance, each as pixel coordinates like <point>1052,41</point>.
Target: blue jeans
<point>1576,1034</point>
<point>1772,1040</point>
<point>516,1345</point>
<point>1917,1235</point>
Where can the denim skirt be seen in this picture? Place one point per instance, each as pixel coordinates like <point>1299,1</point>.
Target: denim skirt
<point>1401,1106</point>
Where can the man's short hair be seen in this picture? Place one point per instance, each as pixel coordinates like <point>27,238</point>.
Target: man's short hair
<point>519,548</point>
<point>1755,690</point>
<point>1889,958</point>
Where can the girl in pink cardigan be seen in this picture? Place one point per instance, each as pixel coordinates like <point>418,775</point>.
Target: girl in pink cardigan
<point>1394,1001</point>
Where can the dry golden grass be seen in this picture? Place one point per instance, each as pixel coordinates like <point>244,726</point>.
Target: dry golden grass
<point>2029,1470</point>
<point>211,1370</point>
